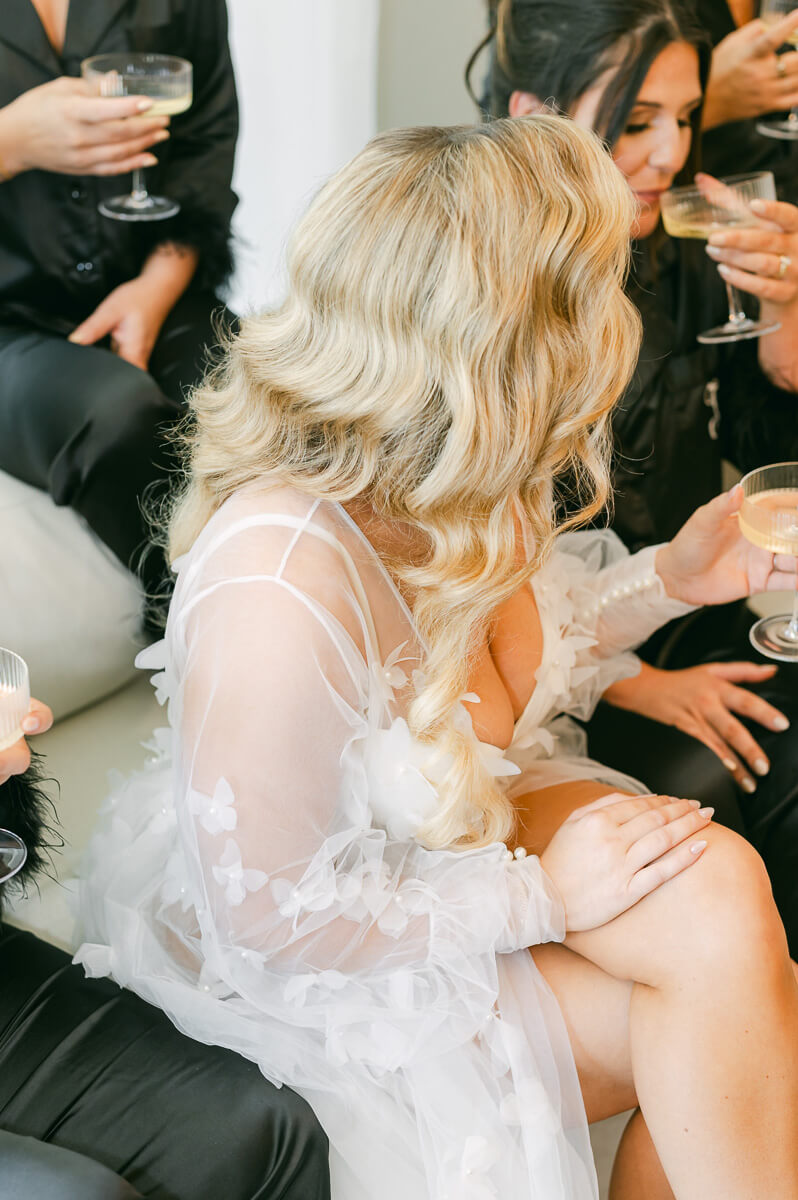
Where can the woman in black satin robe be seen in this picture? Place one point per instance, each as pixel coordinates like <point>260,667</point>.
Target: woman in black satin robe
<point>85,418</point>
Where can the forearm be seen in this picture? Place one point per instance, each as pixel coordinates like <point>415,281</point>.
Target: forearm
<point>629,693</point>
<point>168,271</point>
<point>10,162</point>
<point>633,602</point>
<point>778,352</point>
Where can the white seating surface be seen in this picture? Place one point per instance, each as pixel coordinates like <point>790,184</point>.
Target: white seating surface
<point>66,604</point>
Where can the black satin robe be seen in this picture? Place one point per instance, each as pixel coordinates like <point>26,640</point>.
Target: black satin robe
<point>58,256</point>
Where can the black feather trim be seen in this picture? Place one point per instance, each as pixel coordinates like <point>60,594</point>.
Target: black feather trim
<point>27,810</point>
<point>204,232</point>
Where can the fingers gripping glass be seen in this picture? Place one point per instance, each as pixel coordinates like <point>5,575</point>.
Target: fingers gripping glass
<point>167,81</point>
<point>773,11</point>
<point>769,518</point>
<point>695,212</point>
<point>14,705</point>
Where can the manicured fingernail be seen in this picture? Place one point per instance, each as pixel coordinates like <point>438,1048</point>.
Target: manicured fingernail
<point>758,205</point>
<point>717,239</point>
<point>713,252</point>
<point>149,160</point>
<point>747,784</point>
<point>162,135</point>
<point>706,812</point>
<point>780,724</point>
<point>30,724</point>
<point>729,764</point>
<point>724,270</point>
<point>144,104</point>
<point>695,803</point>
<point>697,847</point>
<point>761,766</point>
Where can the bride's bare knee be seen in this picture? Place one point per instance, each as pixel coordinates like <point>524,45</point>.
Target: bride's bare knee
<point>717,918</point>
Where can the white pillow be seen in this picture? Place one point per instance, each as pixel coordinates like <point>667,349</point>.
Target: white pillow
<point>66,604</point>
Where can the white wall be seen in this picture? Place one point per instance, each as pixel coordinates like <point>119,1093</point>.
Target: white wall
<point>306,76</point>
<point>423,48</point>
<point>316,79</point>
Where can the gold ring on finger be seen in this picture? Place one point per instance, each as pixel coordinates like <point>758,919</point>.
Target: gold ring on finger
<point>784,265</point>
<point>780,67</point>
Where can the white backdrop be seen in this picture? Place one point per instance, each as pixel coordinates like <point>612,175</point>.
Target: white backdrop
<point>307,85</point>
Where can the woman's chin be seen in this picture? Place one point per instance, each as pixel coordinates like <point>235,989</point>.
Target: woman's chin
<point>647,220</point>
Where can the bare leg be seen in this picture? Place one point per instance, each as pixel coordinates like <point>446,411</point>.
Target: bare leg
<point>604,1063</point>
<point>713,1013</point>
<point>637,1171</point>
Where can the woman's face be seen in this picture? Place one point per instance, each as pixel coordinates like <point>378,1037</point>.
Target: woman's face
<point>656,142</point>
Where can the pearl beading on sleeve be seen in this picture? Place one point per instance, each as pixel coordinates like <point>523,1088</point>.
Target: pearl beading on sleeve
<point>632,601</point>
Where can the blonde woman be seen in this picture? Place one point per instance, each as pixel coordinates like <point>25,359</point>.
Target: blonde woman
<point>333,865</point>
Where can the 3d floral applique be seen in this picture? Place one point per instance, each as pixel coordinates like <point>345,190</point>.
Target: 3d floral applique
<point>96,959</point>
<point>155,658</point>
<point>313,988</point>
<point>216,813</point>
<point>234,877</point>
<point>393,674</point>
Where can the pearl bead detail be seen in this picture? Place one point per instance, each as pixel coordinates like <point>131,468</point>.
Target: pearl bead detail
<point>519,852</point>
<point>628,589</point>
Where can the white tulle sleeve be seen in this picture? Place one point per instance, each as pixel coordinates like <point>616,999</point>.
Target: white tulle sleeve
<point>298,893</point>
<point>596,603</point>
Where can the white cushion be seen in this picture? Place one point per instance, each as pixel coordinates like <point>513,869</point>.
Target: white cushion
<point>66,604</point>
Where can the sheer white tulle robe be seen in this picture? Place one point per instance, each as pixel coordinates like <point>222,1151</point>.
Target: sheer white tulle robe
<point>260,880</point>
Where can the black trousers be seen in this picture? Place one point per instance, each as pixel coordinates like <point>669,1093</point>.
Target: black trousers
<point>89,428</point>
<point>89,1067</point>
<point>671,762</point>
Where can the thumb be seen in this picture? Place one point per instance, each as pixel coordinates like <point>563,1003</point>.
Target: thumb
<point>96,326</point>
<point>722,507</point>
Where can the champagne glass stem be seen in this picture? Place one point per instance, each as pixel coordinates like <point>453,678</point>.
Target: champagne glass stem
<point>791,631</point>
<point>736,313</point>
<point>139,189</point>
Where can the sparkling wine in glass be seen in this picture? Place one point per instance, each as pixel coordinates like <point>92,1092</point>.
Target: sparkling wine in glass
<point>14,706</point>
<point>697,211</point>
<point>167,81</point>
<point>769,518</point>
<point>771,13</point>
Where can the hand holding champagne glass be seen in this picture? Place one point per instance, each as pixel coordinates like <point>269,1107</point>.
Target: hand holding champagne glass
<point>697,211</point>
<point>769,519</point>
<point>167,81</point>
<point>772,12</point>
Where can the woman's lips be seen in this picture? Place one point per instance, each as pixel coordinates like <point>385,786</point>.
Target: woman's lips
<point>649,199</point>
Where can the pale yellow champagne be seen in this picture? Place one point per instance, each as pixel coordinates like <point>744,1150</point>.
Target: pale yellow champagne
<point>702,224</point>
<point>770,520</point>
<point>169,107</point>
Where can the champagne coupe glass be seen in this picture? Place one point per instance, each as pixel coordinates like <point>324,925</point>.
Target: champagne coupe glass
<point>14,705</point>
<point>695,212</point>
<point>167,81</point>
<point>784,127</point>
<point>769,518</point>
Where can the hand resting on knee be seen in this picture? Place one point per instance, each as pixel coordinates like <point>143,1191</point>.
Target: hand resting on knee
<point>609,854</point>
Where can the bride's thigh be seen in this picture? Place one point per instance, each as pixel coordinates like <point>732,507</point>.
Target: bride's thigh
<point>595,1008</point>
<point>711,915</point>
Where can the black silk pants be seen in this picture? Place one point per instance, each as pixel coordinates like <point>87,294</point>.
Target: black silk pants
<point>89,428</point>
<point>670,762</point>
<point>88,1067</point>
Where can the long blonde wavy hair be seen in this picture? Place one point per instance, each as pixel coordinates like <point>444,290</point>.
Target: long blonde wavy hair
<point>454,336</point>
